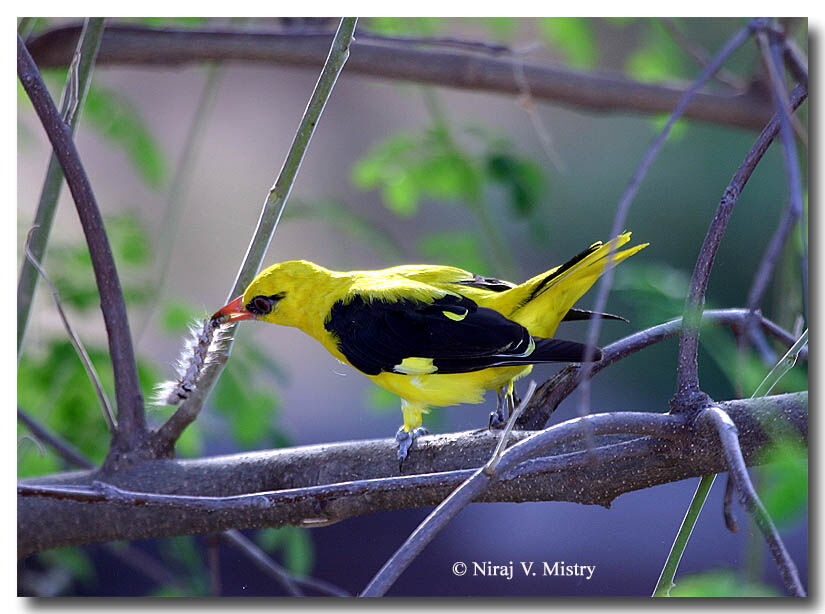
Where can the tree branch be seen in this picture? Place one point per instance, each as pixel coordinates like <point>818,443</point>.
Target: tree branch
<point>688,368</point>
<point>165,437</point>
<point>131,418</point>
<point>728,436</point>
<point>312,485</point>
<point>88,45</point>
<point>65,449</point>
<point>622,209</point>
<point>552,392</point>
<point>458,68</point>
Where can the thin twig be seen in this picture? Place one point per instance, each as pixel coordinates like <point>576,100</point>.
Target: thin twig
<point>687,386</point>
<point>131,417</point>
<point>665,582</point>
<point>64,449</point>
<point>773,253</point>
<point>262,561</point>
<point>626,200</point>
<point>166,436</point>
<point>782,367</point>
<point>528,103</point>
<point>180,183</point>
<point>700,54</point>
<point>87,45</point>
<point>772,63</point>
<point>456,68</point>
<point>794,173</point>
<point>796,61</point>
<point>105,406</point>
<point>214,564</point>
<point>552,392</point>
<point>728,436</point>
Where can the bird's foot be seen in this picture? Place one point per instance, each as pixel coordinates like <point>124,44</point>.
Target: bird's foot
<point>497,419</point>
<point>405,441</point>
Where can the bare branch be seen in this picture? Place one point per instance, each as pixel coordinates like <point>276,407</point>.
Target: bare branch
<point>552,392</point>
<point>688,368</point>
<point>131,418</point>
<point>262,561</point>
<point>622,209</point>
<point>311,485</point>
<point>796,61</point>
<point>700,54</point>
<point>166,436</point>
<point>65,449</point>
<point>87,45</point>
<point>458,68</point>
<point>105,407</point>
<point>728,436</point>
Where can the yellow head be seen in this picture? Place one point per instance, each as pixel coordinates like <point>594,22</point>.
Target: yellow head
<point>279,294</point>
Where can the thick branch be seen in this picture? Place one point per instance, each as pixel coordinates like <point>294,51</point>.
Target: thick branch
<point>322,492</point>
<point>131,417</point>
<point>688,367</point>
<point>459,68</point>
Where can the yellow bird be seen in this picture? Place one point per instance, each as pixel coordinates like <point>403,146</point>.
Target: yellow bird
<point>433,335</point>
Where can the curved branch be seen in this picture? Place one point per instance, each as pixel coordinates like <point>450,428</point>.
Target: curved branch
<point>131,418</point>
<point>552,392</point>
<point>719,420</point>
<point>458,68</point>
<point>687,387</point>
<point>313,484</point>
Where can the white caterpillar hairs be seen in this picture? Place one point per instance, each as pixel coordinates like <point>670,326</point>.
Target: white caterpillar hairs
<point>202,348</point>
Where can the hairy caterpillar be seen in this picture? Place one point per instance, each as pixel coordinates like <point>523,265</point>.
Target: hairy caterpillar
<point>202,348</point>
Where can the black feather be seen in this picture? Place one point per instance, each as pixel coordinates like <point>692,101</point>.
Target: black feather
<point>376,336</point>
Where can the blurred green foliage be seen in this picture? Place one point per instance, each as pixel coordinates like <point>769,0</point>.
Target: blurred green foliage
<point>574,37</point>
<point>783,481</point>
<point>720,583</point>
<point>292,544</point>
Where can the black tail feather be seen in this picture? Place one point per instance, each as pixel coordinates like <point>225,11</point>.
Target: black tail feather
<point>559,350</point>
<point>582,314</point>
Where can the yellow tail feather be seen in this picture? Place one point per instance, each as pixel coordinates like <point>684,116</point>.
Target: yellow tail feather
<point>539,304</point>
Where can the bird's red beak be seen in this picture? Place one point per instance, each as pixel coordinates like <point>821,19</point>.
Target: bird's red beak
<point>234,311</point>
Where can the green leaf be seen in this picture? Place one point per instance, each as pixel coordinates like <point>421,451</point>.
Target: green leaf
<point>120,122</point>
<point>720,583</point>
<point>677,130</point>
<point>573,36</point>
<point>783,483</point>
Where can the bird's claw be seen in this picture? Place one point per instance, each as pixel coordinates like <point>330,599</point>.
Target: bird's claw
<point>497,419</point>
<point>405,440</point>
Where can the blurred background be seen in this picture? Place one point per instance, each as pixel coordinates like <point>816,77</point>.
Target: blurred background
<point>181,160</point>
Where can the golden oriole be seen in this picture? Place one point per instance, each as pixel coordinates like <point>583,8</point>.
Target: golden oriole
<point>433,335</point>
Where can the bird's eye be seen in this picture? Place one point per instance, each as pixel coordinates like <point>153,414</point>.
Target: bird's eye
<point>260,305</point>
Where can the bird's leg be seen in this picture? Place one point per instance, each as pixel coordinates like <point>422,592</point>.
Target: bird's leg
<point>497,418</point>
<point>410,431</point>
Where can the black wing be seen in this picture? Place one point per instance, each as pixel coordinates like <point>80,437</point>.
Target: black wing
<point>455,333</point>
